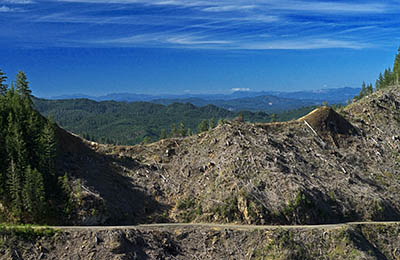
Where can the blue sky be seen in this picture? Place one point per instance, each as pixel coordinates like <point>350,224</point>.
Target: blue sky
<point>176,46</point>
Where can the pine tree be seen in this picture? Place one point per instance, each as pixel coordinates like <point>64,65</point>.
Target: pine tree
<point>174,131</point>
<point>181,129</point>
<point>211,123</point>
<point>203,126</point>
<point>370,89</point>
<point>379,82</point>
<point>15,144</point>
<point>163,134</point>
<point>146,140</point>
<point>14,188</point>
<point>48,149</point>
<point>3,86</point>
<point>22,85</point>
<point>387,77</point>
<point>396,68</point>
<point>363,91</point>
<point>33,194</point>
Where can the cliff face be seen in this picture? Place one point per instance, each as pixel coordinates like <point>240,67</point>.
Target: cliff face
<point>326,167</point>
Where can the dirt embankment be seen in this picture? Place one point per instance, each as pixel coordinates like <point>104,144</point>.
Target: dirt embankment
<point>348,242</point>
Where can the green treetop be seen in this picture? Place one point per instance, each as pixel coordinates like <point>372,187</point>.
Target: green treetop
<point>3,86</point>
<point>396,68</point>
<point>22,85</point>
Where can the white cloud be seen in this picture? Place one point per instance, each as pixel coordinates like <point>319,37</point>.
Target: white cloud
<point>18,1</point>
<point>6,9</point>
<point>240,89</point>
<point>305,44</point>
<point>228,8</point>
<point>331,7</point>
<point>237,5</point>
<point>190,40</point>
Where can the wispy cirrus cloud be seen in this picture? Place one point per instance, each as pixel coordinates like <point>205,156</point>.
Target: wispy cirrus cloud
<point>228,8</point>
<point>306,44</point>
<point>6,9</point>
<point>17,1</point>
<point>229,24</point>
<point>230,5</point>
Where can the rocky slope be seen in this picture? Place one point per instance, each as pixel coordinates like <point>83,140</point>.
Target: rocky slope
<point>326,167</point>
<point>349,242</point>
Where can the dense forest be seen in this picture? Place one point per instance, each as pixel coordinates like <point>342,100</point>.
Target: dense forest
<point>135,122</point>
<point>30,190</point>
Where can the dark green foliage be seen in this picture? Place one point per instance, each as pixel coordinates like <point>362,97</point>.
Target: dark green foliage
<point>203,126</point>
<point>33,194</point>
<point>396,68</point>
<point>129,123</point>
<point>379,82</point>
<point>146,140</point>
<point>21,86</point>
<point>174,130</point>
<point>26,232</point>
<point>3,85</point>
<point>181,129</point>
<point>29,190</point>
<point>163,134</point>
<point>365,91</point>
<point>211,123</point>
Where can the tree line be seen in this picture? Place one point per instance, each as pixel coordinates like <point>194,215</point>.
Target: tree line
<point>388,78</point>
<point>30,191</point>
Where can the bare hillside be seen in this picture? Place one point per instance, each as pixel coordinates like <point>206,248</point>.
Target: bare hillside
<point>326,167</point>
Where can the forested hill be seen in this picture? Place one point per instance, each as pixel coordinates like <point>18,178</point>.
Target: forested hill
<point>132,123</point>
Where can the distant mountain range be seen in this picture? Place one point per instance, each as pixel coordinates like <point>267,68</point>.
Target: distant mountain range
<point>269,101</point>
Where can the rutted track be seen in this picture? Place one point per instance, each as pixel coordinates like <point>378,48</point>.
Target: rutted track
<point>217,226</point>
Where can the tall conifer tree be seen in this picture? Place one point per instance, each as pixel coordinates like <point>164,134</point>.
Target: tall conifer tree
<point>3,85</point>
<point>396,68</point>
<point>22,85</point>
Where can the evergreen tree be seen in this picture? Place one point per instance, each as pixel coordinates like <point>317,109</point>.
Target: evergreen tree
<point>146,140</point>
<point>15,144</point>
<point>33,194</point>
<point>363,91</point>
<point>14,188</point>
<point>370,89</point>
<point>181,129</point>
<point>48,147</point>
<point>396,68</point>
<point>273,117</point>
<point>387,77</point>
<point>174,131</point>
<point>3,86</point>
<point>211,123</point>
<point>203,126</point>
<point>22,85</point>
<point>163,134</point>
<point>189,132</point>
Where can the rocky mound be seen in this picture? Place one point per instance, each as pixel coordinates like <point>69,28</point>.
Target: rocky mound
<point>329,125</point>
<point>326,120</point>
